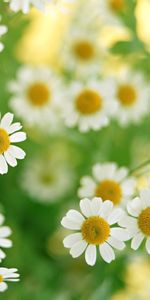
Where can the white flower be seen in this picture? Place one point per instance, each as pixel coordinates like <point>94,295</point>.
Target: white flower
<point>108,182</point>
<point>46,179</point>
<point>24,5</point>
<point>90,105</point>
<point>9,133</point>
<point>35,97</point>
<point>82,53</point>
<point>95,227</point>
<point>133,96</point>
<point>138,223</point>
<point>5,232</point>
<point>7,275</point>
<point>110,10</point>
<point>3,30</point>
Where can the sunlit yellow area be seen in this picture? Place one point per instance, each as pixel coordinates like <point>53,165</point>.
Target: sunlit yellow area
<point>143,21</point>
<point>42,38</point>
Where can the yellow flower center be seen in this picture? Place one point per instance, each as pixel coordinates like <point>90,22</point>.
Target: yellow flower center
<point>38,94</point>
<point>116,5</point>
<point>4,141</point>
<point>84,50</point>
<point>127,95</point>
<point>144,221</point>
<point>95,230</point>
<point>47,179</point>
<point>109,190</point>
<point>1,278</point>
<point>88,102</point>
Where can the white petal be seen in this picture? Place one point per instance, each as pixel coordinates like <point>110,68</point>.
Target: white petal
<point>17,152</point>
<point>85,206</point>
<point>18,137</point>
<point>134,207</point>
<point>120,234</point>
<point>5,243</point>
<point>10,159</point>
<point>5,231</point>
<point>145,196</point>
<point>75,216</point>
<point>90,255</point>
<point>3,286</point>
<point>148,245</point>
<point>107,252</point>
<point>72,239</point>
<point>115,243</point>
<point>6,120</point>
<point>96,205</point>
<point>70,224</point>
<point>14,127</point>
<point>3,165</point>
<point>106,208</point>
<point>115,216</point>
<point>78,249</point>
<point>2,254</point>
<point>137,240</point>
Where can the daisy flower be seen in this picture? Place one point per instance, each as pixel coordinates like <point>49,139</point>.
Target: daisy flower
<point>3,30</point>
<point>46,179</point>
<point>7,275</point>
<point>110,11</point>
<point>132,94</point>
<point>35,97</point>
<point>90,105</point>
<point>82,52</point>
<point>95,227</point>
<point>109,183</point>
<point>138,223</point>
<point>5,232</point>
<point>9,133</point>
<point>24,5</point>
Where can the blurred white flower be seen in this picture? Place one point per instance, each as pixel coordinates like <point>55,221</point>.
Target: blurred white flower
<point>138,223</point>
<point>7,275</point>
<point>110,10</point>
<point>3,30</point>
<point>96,227</point>
<point>5,232</point>
<point>133,96</point>
<point>24,5</point>
<point>36,93</point>
<point>9,133</point>
<point>46,179</point>
<point>82,53</point>
<point>89,105</point>
<point>109,183</point>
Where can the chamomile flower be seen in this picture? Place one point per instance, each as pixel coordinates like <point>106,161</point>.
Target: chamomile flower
<point>90,105</point>
<point>109,183</point>
<point>95,227</point>
<point>46,180</point>
<point>24,5</point>
<point>82,53</point>
<point>7,275</point>
<point>132,94</point>
<point>110,11</point>
<point>5,232</point>
<point>3,30</point>
<point>35,97</point>
<point>138,223</point>
<point>9,134</point>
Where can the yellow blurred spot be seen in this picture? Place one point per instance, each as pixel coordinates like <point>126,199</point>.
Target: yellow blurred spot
<point>42,38</point>
<point>143,21</point>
